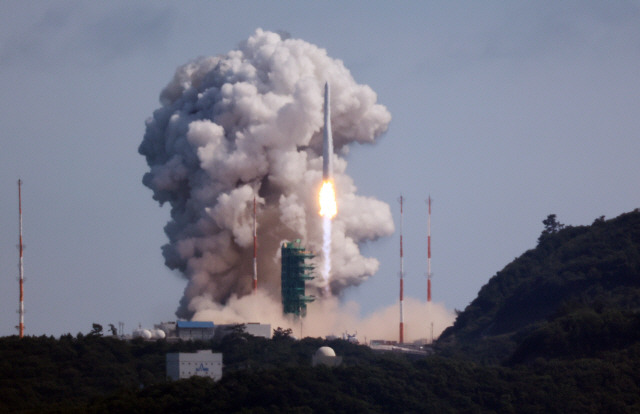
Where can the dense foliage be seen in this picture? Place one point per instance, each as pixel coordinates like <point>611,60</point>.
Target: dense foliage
<point>574,272</point>
<point>557,331</point>
<point>106,375</point>
<point>394,385</point>
<point>42,371</point>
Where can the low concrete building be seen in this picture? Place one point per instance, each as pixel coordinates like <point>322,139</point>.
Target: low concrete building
<point>258,329</point>
<point>203,363</point>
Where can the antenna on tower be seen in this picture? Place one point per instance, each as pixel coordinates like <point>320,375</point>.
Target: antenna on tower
<point>255,249</point>
<point>20,267</point>
<point>429,274</point>
<point>401,339</point>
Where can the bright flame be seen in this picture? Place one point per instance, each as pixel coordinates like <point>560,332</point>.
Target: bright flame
<point>328,209</point>
<point>328,206</point>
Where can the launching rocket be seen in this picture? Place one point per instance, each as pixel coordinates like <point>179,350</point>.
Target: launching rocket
<point>327,196</point>
<point>327,140</point>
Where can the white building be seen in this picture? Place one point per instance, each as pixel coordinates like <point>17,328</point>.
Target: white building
<point>258,329</point>
<point>203,363</point>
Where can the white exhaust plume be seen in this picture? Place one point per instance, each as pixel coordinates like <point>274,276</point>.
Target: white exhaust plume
<point>246,123</point>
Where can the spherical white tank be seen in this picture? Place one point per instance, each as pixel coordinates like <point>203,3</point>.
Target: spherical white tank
<point>325,351</point>
<point>142,333</point>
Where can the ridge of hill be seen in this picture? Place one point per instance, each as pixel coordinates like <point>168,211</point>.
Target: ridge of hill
<point>580,283</point>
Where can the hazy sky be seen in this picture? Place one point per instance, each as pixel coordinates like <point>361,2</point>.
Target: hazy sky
<point>504,112</point>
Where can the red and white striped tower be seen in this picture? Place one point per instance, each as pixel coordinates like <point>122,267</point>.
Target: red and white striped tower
<point>429,274</point>
<point>401,340</point>
<point>255,250</point>
<point>21,309</point>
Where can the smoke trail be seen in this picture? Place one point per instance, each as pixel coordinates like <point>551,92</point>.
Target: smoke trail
<point>250,122</point>
<point>326,249</point>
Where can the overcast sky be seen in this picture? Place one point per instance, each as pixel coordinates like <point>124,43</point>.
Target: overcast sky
<point>504,112</point>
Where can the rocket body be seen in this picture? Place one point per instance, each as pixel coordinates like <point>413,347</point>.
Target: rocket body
<point>327,196</point>
<point>327,141</point>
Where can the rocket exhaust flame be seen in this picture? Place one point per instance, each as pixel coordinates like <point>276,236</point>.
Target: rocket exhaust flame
<point>328,205</point>
<point>328,210</point>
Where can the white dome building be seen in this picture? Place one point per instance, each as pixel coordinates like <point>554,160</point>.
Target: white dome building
<point>326,356</point>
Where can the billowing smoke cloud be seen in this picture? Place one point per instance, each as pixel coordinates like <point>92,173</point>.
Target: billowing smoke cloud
<point>250,123</point>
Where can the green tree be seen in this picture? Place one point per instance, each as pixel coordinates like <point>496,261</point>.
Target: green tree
<point>280,333</point>
<point>551,226</point>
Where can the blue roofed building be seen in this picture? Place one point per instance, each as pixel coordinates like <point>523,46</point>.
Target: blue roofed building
<point>188,330</point>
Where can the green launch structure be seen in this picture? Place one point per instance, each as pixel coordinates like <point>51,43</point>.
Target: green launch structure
<point>295,272</point>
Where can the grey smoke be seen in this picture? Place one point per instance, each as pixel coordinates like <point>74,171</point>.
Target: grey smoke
<point>250,122</point>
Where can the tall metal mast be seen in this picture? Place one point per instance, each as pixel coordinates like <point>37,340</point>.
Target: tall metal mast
<point>255,249</point>
<point>401,339</point>
<point>429,274</point>
<point>21,309</point>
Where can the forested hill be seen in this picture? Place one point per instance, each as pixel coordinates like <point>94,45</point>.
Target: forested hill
<point>563,319</point>
<point>96,374</point>
<point>576,293</point>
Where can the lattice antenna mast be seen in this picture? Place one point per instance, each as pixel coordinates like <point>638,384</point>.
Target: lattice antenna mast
<point>429,274</point>
<point>255,250</point>
<point>20,267</point>
<point>401,337</point>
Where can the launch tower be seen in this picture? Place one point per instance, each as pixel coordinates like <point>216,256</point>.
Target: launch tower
<point>295,272</point>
